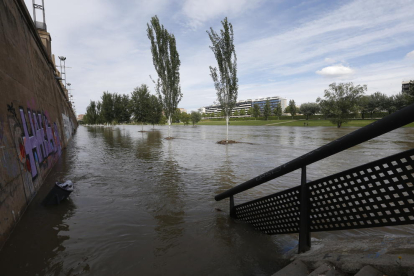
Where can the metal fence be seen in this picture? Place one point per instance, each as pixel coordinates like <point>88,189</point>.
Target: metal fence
<point>380,193</point>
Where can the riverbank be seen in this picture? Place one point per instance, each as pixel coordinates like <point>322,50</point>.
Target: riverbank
<point>306,123</point>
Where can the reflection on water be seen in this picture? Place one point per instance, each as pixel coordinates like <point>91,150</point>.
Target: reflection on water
<point>144,205</point>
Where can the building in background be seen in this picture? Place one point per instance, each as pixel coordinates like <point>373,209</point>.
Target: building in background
<point>406,85</point>
<point>247,104</point>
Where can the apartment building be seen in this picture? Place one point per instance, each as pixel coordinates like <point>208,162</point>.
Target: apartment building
<point>247,104</point>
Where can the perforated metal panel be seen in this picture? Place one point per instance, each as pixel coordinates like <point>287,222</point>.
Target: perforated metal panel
<point>380,193</point>
<point>274,214</point>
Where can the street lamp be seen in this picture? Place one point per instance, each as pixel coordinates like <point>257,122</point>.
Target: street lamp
<point>63,69</point>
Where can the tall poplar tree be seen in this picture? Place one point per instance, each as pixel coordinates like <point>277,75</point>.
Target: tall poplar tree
<point>167,64</point>
<point>225,77</point>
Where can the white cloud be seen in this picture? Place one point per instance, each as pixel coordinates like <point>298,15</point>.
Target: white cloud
<point>336,71</point>
<point>410,55</point>
<point>200,11</point>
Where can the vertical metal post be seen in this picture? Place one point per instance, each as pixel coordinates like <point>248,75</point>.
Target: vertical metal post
<point>304,231</point>
<point>44,15</point>
<point>232,210</point>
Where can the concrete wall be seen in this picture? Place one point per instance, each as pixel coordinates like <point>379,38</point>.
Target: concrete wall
<point>36,119</point>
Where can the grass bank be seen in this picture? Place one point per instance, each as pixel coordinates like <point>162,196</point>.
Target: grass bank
<point>311,123</point>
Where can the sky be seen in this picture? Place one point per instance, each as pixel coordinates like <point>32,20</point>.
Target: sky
<point>287,48</point>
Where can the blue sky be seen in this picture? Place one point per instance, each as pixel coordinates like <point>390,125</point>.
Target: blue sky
<point>292,49</point>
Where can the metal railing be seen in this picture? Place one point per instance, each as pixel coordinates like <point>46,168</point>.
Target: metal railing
<point>376,194</point>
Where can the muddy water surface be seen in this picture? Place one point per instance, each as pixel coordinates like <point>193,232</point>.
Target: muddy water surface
<point>144,205</point>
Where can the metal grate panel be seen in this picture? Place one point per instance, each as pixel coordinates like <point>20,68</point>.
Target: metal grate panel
<point>273,214</point>
<point>380,193</point>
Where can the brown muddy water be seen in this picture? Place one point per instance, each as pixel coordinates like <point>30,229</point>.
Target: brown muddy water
<point>144,205</point>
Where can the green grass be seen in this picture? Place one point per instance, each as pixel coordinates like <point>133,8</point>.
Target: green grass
<point>312,123</point>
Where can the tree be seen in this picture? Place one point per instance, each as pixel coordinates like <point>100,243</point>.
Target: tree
<point>195,117</point>
<point>185,118</point>
<point>107,107</point>
<point>363,103</point>
<point>140,104</point>
<point>267,110</point>
<point>126,109</point>
<point>100,119</point>
<point>292,108</point>
<point>167,64</point>
<point>399,101</point>
<point>341,100</point>
<point>250,111</point>
<point>155,110</point>
<point>242,112</point>
<point>236,113</point>
<point>176,117</point>
<point>256,111</point>
<point>376,102</point>
<point>225,78</point>
<point>118,107</point>
<point>278,110</point>
<point>309,109</point>
<point>91,115</point>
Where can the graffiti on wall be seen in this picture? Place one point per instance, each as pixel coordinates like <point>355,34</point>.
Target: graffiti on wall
<point>35,138</point>
<point>7,155</point>
<point>67,126</point>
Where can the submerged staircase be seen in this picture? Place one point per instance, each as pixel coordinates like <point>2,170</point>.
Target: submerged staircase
<point>380,193</point>
<point>298,268</point>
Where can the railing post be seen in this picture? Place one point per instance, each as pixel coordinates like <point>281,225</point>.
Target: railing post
<point>304,231</point>
<point>232,210</point>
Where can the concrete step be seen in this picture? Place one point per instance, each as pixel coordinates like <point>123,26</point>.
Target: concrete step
<point>298,268</point>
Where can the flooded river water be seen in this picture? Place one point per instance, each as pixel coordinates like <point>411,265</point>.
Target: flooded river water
<point>144,205</point>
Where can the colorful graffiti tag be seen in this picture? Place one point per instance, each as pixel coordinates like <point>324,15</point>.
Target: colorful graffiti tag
<point>37,139</point>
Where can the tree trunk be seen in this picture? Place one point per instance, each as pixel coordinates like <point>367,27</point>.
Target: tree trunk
<point>339,124</point>
<point>169,125</point>
<point>142,126</point>
<point>227,134</point>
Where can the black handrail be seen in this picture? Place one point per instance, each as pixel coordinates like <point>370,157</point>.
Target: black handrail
<point>377,128</point>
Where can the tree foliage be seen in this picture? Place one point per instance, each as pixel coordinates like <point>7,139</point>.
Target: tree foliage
<point>309,109</point>
<point>267,110</point>
<point>155,110</point>
<point>291,108</point>
<point>250,111</point>
<point>225,77</point>
<point>140,104</point>
<point>176,117</point>
<point>107,108</point>
<point>195,117</point>
<point>91,116</point>
<point>185,118</point>
<point>278,110</point>
<point>167,64</point>
<point>256,111</point>
<point>340,101</point>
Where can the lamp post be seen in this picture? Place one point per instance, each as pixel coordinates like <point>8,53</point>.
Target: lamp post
<point>63,69</point>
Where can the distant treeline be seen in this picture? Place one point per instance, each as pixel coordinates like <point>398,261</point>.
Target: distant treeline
<point>138,107</point>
